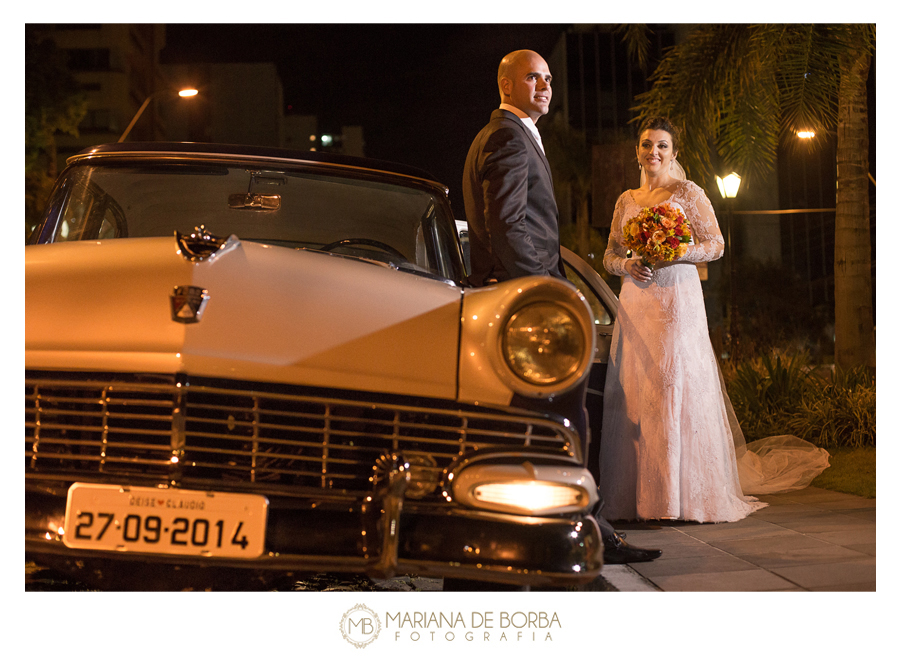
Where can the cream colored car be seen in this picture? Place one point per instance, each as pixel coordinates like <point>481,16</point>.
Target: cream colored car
<point>267,363</point>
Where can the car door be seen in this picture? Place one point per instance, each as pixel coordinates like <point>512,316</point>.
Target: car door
<point>605,306</point>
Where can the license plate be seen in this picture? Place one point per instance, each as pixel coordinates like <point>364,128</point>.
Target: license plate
<point>170,521</point>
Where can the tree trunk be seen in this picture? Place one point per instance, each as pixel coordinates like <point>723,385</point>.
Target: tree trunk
<point>853,310</point>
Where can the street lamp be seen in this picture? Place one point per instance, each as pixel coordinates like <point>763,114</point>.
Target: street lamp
<point>728,188</point>
<point>184,93</point>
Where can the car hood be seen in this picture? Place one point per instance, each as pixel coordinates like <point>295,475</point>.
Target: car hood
<point>273,314</point>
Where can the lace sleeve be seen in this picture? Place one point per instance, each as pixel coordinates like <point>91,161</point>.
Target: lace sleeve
<point>614,258</point>
<point>708,244</point>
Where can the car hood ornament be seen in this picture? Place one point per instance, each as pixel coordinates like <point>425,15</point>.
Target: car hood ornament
<point>188,304</point>
<point>201,245</point>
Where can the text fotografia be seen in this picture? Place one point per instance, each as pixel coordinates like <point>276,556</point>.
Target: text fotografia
<point>478,626</point>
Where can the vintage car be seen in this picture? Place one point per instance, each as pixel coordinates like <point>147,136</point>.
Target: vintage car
<point>265,363</point>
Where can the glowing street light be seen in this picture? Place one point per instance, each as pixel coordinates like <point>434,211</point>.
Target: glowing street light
<point>728,188</point>
<point>184,93</point>
<point>806,134</point>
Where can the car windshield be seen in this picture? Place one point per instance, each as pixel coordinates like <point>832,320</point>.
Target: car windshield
<point>409,227</point>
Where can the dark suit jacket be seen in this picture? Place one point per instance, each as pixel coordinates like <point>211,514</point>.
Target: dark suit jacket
<point>510,206</point>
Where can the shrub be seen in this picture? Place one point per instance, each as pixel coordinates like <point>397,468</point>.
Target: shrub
<point>779,394</point>
<point>839,414</point>
<point>764,389</point>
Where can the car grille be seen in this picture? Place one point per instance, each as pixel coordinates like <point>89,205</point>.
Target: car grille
<point>188,430</point>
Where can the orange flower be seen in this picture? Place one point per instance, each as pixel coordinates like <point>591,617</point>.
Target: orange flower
<point>657,234</point>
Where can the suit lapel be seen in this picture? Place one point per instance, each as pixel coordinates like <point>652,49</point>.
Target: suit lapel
<point>534,143</point>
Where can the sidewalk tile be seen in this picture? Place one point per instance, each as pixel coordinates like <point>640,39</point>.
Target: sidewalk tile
<point>683,549</point>
<point>868,514</point>
<point>796,520</point>
<point>819,557</point>
<point>784,542</point>
<point>835,577</point>
<point>812,540</point>
<point>847,504</point>
<point>853,587</point>
<point>739,530</point>
<point>691,565</point>
<point>845,536</point>
<point>753,580</point>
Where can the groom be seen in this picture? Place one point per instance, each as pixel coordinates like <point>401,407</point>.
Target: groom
<point>511,209</point>
<point>508,190</point>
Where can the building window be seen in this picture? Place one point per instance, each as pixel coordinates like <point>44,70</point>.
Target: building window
<point>88,59</point>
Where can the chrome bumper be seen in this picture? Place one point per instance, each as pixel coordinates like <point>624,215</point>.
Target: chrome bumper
<point>382,536</point>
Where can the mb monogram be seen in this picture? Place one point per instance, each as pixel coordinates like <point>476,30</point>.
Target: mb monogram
<point>360,626</point>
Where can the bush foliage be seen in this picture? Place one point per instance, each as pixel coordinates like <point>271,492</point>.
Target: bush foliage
<point>777,394</point>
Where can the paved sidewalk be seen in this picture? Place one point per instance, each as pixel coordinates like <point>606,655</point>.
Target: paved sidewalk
<point>808,540</point>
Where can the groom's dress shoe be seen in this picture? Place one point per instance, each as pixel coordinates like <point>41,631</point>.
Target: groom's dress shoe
<point>617,551</point>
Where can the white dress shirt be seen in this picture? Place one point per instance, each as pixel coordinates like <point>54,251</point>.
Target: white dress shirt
<point>527,120</point>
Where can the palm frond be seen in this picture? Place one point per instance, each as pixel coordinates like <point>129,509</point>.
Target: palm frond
<point>739,89</point>
<point>695,85</point>
<point>808,75</point>
<point>636,37</point>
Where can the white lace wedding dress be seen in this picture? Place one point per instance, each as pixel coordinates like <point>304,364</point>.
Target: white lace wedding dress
<point>667,449</point>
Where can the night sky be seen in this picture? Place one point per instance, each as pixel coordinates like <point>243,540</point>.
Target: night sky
<point>421,92</point>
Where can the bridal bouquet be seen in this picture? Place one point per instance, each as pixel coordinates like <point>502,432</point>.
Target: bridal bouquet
<point>658,234</point>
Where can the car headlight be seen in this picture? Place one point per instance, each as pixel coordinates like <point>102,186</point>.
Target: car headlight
<point>543,343</point>
<point>533,337</point>
<point>536,497</point>
<point>525,489</point>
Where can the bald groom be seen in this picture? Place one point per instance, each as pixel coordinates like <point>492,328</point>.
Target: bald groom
<point>512,214</point>
<point>507,186</point>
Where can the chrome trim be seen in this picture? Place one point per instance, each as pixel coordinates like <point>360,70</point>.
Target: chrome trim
<point>38,542</point>
<point>578,480</point>
<point>178,441</point>
<point>519,457</point>
<point>387,503</point>
<point>185,430</point>
<point>253,159</point>
<point>202,245</point>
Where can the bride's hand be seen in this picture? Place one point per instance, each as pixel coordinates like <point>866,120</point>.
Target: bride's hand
<point>637,270</point>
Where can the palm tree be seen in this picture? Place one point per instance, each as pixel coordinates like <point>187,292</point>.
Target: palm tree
<point>741,90</point>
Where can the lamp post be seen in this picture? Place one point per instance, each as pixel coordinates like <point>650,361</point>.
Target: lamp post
<point>184,93</point>
<point>728,188</point>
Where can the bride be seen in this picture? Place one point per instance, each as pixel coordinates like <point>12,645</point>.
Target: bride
<point>669,433</point>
